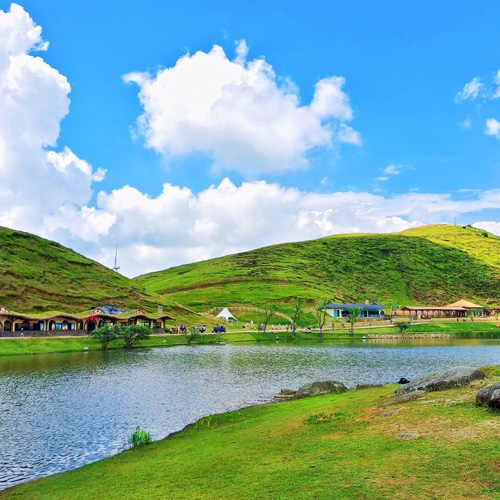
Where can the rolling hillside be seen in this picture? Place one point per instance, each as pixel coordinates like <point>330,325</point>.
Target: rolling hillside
<point>39,275</point>
<point>428,265</point>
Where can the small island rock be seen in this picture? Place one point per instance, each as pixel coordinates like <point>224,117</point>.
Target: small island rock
<point>489,396</point>
<point>316,388</point>
<point>448,379</point>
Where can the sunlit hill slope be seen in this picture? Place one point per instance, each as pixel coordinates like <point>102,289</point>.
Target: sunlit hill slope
<point>427,265</point>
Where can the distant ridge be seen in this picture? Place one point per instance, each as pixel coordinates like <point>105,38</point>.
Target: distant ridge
<point>427,265</point>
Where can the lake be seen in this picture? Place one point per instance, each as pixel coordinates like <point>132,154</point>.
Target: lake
<point>61,411</point>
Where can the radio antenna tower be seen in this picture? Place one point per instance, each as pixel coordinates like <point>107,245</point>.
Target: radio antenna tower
<point>116,267</point>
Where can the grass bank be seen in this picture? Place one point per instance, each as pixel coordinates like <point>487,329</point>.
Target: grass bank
<point>335,446</point>
<point>40,345</point>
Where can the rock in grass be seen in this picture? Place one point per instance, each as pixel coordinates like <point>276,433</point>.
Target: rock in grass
<point>489,396</point>
<point>361,387</point>
<point>286,394</point>
<point>316,388</point>
<point>407,435</point>
<point>448,379</point>
<point>404,397</point>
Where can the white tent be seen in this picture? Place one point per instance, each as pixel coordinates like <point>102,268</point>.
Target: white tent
<point>226,314</point>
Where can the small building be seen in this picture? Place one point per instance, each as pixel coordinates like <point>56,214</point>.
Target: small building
<point>373,310</point>
<point>459,309</point>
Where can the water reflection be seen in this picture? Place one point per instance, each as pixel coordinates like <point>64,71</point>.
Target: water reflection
<point>61,411</point>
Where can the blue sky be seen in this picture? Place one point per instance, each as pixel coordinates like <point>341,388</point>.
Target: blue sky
<point>403,65</point>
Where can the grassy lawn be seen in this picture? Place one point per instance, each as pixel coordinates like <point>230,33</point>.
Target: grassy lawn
<point>327,447</point>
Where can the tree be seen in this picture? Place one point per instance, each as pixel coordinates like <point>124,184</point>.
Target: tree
<point>105,335</point>
<point>321,316</point>
<point>353,317</point>
<point>401,325</point>
<point>470,313</point>
<point>269,312</point>
<point>132,334</point>
<point>298,307</point>
<point>192,335</point>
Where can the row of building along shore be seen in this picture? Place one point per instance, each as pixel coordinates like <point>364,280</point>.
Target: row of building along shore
<point>14,324</point>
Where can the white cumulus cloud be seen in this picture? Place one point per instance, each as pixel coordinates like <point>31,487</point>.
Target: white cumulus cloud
<point>470,91</point>
<point>493,127</point>
<point>34,182</point>
<point>181,226</point>
<point>237,113</point>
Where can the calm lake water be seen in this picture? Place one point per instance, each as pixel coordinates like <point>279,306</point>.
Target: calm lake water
<point>61,411</point>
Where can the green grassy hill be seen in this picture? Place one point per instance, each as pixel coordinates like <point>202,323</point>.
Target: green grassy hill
<point>39,275</point>
<point>428,265</point>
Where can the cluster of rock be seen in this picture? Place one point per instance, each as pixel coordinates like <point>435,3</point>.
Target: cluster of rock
<point>448,379</point>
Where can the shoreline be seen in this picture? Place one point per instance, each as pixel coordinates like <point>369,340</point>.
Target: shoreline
<point>18,346</point>
<point>303,448</point>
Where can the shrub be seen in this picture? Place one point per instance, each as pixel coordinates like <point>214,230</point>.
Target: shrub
<point>192,335</point>
<point>132,334</point>
<point>105,335</point>
<point>401,325</point>
<point>139,437</point>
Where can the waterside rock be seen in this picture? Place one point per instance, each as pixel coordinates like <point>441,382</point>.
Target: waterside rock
<point>286,394</point>
<point>316,388</point>
<point>361,387</point>
<point>489,396</point>
<point>448,379</point>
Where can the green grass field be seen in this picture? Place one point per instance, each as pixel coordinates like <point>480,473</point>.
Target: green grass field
<point>334,446</point>
<point>428,265</point>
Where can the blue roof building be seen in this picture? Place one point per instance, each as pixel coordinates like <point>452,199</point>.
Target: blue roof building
<point>373,310</point>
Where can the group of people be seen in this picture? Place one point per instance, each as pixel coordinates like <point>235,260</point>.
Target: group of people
<point>183,329</point>
<point>280,327</point>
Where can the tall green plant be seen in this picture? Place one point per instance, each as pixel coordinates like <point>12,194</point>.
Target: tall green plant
<point>191,335</point>
<point>353,317</point>
<point>139,437</point>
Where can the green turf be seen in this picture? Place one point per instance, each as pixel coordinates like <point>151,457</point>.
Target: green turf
<point>428,265</point>
<point>333,446</point>
<point>39,275</point>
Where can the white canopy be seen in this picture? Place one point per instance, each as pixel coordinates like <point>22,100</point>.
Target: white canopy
<point>226,314</point>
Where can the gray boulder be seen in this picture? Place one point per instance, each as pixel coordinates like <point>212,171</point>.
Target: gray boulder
<point>402,398</point>
<point>362,387</point>
<point>489,396</point>
<point>316,388</point>
<point>448,379</point>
